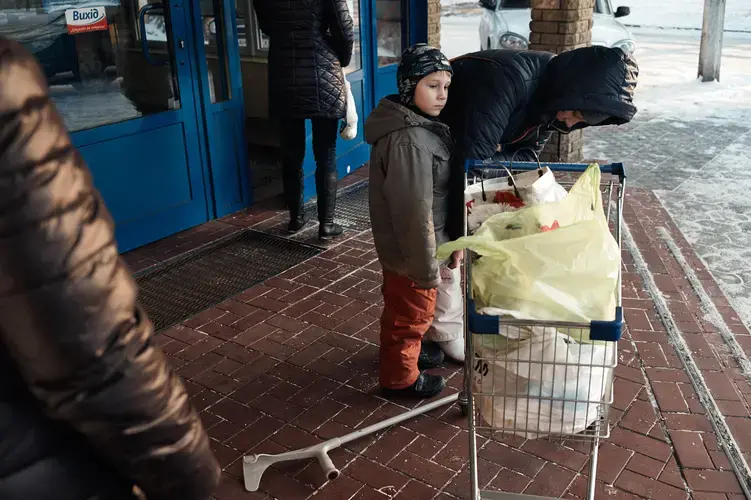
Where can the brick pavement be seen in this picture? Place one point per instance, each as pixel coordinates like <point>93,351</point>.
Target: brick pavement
<point>293,361</point>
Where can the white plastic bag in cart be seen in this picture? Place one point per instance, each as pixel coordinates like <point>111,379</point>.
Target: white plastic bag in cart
<point>494,196</point>
<point>546,384</point>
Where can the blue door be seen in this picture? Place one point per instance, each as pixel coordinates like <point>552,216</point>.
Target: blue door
<point>217,27</point>
<point>124,87</point>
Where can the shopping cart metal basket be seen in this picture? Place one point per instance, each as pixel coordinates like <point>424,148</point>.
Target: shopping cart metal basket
<point>573,401</point>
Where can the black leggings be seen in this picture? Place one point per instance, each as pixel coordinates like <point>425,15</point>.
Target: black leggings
<point>325,131</point>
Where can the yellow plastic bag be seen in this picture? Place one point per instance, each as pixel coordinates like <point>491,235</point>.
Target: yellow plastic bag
<point>555,261</point>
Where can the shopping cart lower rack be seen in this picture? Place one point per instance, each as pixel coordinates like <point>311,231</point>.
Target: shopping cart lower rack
<point>564,397</point>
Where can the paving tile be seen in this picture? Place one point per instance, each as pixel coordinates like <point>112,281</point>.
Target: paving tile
<point>415,490</point>
<point>422,469</point>
<point>648,488</point>
<point>641,444</point>
<point>690,449</point>
<point>511,459</point>
<point>645,466</point>
<point>552,481</point>
<point>509,481</point>
<point>375,475</point>
<point>713,480</point>
<point>612,460</point>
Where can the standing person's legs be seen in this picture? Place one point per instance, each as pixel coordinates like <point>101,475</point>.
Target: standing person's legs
<point>447,329</point>
<point>407,314</point>
<point>293,155</point>
<point>325,132</point>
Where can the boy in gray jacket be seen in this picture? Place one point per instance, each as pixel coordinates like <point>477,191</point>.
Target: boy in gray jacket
<point>409,175</point>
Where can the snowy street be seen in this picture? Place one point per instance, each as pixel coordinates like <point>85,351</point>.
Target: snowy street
<point>690,141</point>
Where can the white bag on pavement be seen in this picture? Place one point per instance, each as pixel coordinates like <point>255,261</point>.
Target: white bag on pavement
<point>544,384</point>
<point>349,127</point>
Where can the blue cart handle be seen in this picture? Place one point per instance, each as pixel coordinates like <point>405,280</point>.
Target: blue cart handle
<point>610,168</point>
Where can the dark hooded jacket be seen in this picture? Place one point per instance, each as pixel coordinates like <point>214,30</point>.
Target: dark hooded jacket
<point>89,407</point>
<point>502,103</point>
<point>311,41</point>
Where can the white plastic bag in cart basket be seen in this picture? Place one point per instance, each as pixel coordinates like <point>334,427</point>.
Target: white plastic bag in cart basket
<point>545,384</point>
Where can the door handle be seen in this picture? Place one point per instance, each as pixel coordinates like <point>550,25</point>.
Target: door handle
<point>144,39</point>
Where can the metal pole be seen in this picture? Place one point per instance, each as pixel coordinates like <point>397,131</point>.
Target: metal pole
<point>710,53</point>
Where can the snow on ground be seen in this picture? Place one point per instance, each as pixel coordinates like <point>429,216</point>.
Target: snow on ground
<point>668,84</point>
<point>683,14</point>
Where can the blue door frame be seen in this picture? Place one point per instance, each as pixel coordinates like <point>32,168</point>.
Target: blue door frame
<point>223,118</point>
<point>166,172</point>
<point>149,170</point>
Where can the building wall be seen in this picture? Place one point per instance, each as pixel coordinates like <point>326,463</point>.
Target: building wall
<point>434,23</point>
<point>558,26</point>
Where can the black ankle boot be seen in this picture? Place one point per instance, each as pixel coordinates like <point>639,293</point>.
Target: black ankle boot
<point>293,196</point>
<point>426,386</point>
<point>326,188</point>
<point>431,356</point>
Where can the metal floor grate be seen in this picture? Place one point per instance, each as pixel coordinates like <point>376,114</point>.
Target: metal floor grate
<point>352,210</point>
<point>202,278</point>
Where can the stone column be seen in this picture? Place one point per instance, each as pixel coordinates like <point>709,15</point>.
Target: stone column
<point>558,26</point>
<point>434,23</point>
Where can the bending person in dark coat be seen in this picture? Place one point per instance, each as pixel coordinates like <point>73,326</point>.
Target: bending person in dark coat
<point>509,102</point>
<point>89,408</point>
<point>310,42</point>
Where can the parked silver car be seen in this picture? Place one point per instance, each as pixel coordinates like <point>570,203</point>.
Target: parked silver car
<point>505,24</point>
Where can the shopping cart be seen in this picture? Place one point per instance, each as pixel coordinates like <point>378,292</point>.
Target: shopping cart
<point>573,401</point>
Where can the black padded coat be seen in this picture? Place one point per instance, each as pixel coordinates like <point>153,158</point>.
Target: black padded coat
<point>311,41</point>
<point>502,103</point>
<point>89,407</point>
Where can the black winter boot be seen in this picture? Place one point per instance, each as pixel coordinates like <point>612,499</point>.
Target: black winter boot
<point>426,386</point>
<point>292,178</point>
<point>431,356</point>
<point>326,188</point>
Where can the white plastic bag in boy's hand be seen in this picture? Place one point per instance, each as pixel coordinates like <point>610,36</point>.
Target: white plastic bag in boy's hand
<point>546,384</point>
<point>349,128</point>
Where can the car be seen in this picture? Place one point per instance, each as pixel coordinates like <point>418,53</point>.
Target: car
<point>504,24</point>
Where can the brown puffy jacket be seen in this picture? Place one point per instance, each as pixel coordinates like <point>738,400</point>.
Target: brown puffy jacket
<point>409,182</point>
<point>89,407</point>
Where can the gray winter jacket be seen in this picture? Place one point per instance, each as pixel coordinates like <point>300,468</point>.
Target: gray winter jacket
<point>409,176</point>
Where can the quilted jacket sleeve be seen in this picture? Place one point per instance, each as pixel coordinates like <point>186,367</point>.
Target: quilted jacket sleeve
<point>342,30</point>
<point>68,312</point>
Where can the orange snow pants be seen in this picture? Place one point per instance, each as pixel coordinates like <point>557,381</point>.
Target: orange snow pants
<point>407,314</point>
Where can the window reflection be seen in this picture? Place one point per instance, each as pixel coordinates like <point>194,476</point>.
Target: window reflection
<point>389,31</point>
<point>354,11</point>
<point>102,76</point>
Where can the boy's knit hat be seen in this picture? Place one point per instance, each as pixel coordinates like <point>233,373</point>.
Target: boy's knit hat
<point>418,61</point>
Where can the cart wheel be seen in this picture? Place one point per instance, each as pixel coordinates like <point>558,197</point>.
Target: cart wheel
<point>465,409</point>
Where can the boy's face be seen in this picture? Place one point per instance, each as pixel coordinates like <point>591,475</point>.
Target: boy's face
<point>432,91</point>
